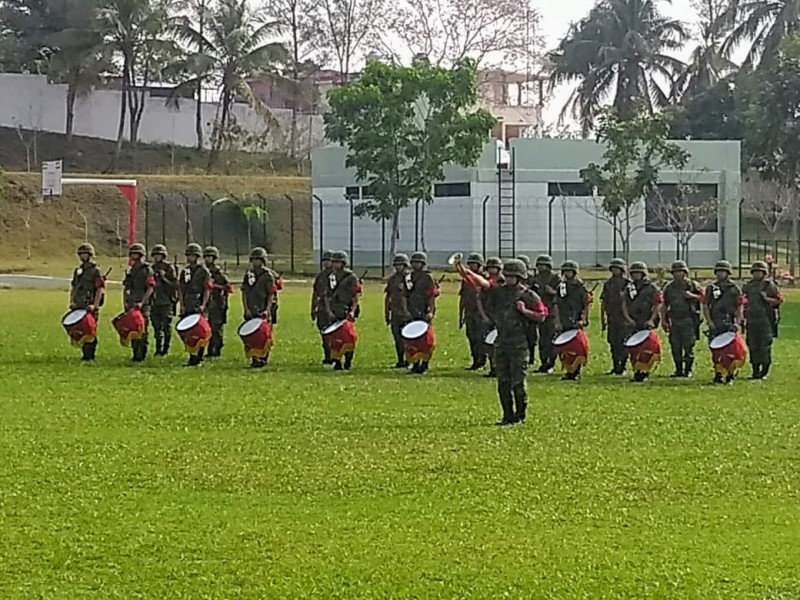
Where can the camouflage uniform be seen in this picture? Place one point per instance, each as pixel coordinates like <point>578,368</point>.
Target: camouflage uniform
<point>87,282</point>
<point>489,318</point>
<point>642,302</point>
<point>533,327</point>
<point>395,306</point>
<point>164,299</point>
<point>217,303</point>
<point>572,301</point>
<point>258,292</point>
<point>617,331</point>
<point>682,315</point>
<point>761,319</point>
<point>545,284</point>
<point>421,291</point>
<point>343,294</point>
<point>471,316</point>
<point>319,303</point>
<point>194,283</point>
<point>723,299</point>
<point>137,287</point>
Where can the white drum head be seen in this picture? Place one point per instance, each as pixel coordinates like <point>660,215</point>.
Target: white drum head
<point>74,317</point>
<point>414,330</point>
<point>331,328</point>
<point>250,327</point>
<point>637,338</point>
<point>722,340</point>
<point>491,337</point>
<point>186,323</point>
<point>566,337</point>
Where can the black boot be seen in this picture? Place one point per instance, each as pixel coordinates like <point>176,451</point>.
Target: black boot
<point>167,338</point>
<point>348,361</point>
<point>337,365</point>
<point>718,379</point>
<point>765,369</point>
<point>258,363</point>
<point>159,343</point>
<point>327,360</point>
<point>688,367</point>
<point>506,403</point>
<point>521,403</point>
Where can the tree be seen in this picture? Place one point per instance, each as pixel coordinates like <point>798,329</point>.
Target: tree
<point>717,113</point>
<point>401,125</point>
<point>764,24</point>
<point>769,202</point>
<point>637,148</point>
<point>619,51</point>
<point>450,30</point>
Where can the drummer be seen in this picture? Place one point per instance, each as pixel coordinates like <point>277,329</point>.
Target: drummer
<point>86,292</point>
<point>164,297</point>
<point>137,289</point>
<point>723,307</point>
<point>533,333</point>
<point>195,290</point>
<point>217,302</point>
<point>258,294</point>
<point>572,304</point>
<point>343,296</point>
<point>763,300</point>
<point>395,306</point>
<point>642,305</point>
<point>612,320</point>
<point>494,275</point>
<point>545,284</point>
<point>421,294</point>
<point>470,316</point>
<point>320,311</point>
<point>681,317</point>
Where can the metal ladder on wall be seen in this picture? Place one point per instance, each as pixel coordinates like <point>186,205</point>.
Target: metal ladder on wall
<point>506,208</point>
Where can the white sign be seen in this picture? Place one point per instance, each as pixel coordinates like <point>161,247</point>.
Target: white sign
<point>51,177</point>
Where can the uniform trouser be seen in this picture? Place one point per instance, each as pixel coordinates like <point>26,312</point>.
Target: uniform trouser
<point>397,336</point>
<point>217,340</point>
<point>140,346</point>
<point>547,352</point>
<point>322,323</point>
<point>512,367</point>
<point>759,342</point>
<point>616,335</point>
<point>161,318</point>
<point>476,331</point>
<point>533,341</point>
<point>682,340</point>
<point>89,350</point>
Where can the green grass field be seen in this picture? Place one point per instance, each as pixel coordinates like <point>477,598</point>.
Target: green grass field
<point>297,482</point>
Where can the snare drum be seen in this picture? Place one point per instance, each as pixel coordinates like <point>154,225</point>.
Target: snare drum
<point>490,338</point>
<point>419,341</point>
<point>130,326</point>
<point>341,338</point>
<point>256,335</point>
<point>728,352</point>
<point>81,327</point>
<point>572,348</point>
<point>195,332</point>
<point>644,348</point>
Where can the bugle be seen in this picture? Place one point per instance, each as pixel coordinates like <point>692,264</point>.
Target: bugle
<point>467,275</point>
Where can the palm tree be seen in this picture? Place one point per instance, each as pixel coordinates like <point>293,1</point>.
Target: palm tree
<point>763,24</point>
<point>618,52</point>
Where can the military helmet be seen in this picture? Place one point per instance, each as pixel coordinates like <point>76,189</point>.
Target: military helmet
<point>638,267</point>
<point>476,258</point>
<point>617,263</point>
<point>419,257</point>
<point>340,256</point>
<point>86,248</point>
<point>211,251</point>
<point>327,255</point>
<point>679,265</point>
<point>570,265</point>
<point>493,261</point>
<point>193,250</point>
<point>137,249</point>
<point>515,267</point>
<point>258,252</point>
<point>544,260</point>
<point>401,259</point>
<point>759,265</point>
<point>723,265</point>
<point>159,249</point>
<point>525,259</point>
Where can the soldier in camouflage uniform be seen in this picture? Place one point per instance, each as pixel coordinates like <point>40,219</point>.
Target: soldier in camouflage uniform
<point>681,317</point>
<point>320,311</point>
<point>87,291</point>
<point>421,294</point>
<point>612,318</point>
<point>533,329</point>
<point>164,298</point>
<point>278,288</point>
<point>195,290</point>
<point>137,290</point>
<point>217,303</point>
<point>470,315</point>
<point>494,268</point>
<point>763,300</point>
<point>545,284</point>
<point>723,307</point>
<point>572,301</point>
<point>343,295</point>
<point>258,292</point>
<point>395,306</point>
<point>642,305</point>
<point>515,306</point>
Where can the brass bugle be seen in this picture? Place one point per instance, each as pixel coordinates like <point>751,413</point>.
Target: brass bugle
<point>455,258</point>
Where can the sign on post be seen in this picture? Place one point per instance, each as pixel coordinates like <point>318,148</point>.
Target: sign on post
<point>51,178</point>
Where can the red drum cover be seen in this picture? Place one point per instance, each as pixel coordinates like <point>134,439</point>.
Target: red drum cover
<point>195,332</point>
<point>130,326</point>
<point>644,348</point>
<point>573,349</point>
<point>420,347</point>
<point>729,353</point>
<point>341,338</point>
<point>256,335</point>
<point>81,327</point>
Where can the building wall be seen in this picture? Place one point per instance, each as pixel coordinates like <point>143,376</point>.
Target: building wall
<point>457,223</point>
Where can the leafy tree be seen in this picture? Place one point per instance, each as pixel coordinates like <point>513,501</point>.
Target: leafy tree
<point>401,125</point>
<point>637,149</point>
<point>717,113</point>
<point>764,24</point>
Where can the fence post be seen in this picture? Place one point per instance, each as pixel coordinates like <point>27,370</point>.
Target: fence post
<point>147,220</point>
<point>291,232</point>
<point>163,218</point>
<point>321,238</point>
<point>186,217</point>
<point>550,225</point>
<point>383,248</point>
<point>416,225</point>
<point>352,228</point>
<point>238,218</point>
<point>483,224</point>
<point>208,217</point>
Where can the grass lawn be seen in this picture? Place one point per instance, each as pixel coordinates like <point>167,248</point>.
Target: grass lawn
<point>297,482</point>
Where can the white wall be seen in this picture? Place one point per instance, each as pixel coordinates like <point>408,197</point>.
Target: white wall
<point>31,102</point>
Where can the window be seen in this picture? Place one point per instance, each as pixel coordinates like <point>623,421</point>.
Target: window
<point>569,188</point>
<point>686,207</point>
<point>451,190</point>
<point>352,191</point>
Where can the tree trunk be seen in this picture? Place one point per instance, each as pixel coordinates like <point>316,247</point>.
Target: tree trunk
<point>198,116</point>
<point>70,125</point>
<point>395,231</point>
<point>795,233</point>
<point>295,82</point>
<point>219,130</point>
<point>123,111</point>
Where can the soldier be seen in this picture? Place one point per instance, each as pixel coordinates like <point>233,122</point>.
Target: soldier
<point>572,301</point>
<point>320,311</point>
<point>763,300</point>
<point>217,302</point>
<point>470,316</point>
<point>138,288</point>
<point>723,307</point>
<point>515,306</point>
<point>545,285</point>
<point>681,316</point>
<point>533,329</point>
<point>258,292</point>
<point>343,297</point>
<point>87,292</point>
<point>164,298</point>
<point>195,291</point>
<point>642,305</point>
<point>612,319</point>
<point>421,294</point>
<point>278,288</point>
<point>395,306</point>
<point>494,267</point>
